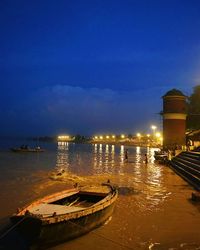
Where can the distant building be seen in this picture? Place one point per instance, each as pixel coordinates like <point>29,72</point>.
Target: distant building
<point>174,119</point>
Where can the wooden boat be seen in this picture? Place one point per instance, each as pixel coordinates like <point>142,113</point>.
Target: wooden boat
<point>27,150</point>
<point>65,215</point>
<point>160,155</point>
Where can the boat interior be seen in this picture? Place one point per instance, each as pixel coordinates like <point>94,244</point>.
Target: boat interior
<point>80,199</point>
<point>73,203</point>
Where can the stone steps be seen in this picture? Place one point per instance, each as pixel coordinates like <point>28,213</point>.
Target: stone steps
<point>187,165</point>
<point>193,164</point>
<point>190,161</point>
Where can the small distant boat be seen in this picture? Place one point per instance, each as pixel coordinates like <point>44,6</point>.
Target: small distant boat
<point>65,215</point>
<point>27,150</point>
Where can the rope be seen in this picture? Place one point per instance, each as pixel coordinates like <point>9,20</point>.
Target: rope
<point>11,228</point>
<point>104,237</point>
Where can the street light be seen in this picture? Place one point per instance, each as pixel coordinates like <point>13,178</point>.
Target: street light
<point>158,134</point>
<point>159,138</point>
<point>139,136</point>
<point>153,127</point>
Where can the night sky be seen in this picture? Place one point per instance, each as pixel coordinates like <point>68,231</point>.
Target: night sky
<point>94,66</point>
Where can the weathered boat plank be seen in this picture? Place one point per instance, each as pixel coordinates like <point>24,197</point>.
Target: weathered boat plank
<point>50,209</point>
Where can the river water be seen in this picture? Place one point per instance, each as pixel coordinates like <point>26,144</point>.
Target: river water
<point>153,210</point>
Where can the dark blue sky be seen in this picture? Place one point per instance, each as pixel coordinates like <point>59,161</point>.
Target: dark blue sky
<point>93,66</point>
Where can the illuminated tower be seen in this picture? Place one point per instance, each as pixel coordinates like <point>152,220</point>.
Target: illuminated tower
<point>174,118</point>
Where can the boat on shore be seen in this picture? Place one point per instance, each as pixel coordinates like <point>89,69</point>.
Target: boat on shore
<point>161,156</point>
<point>27,150</point>
<point>65,215</point>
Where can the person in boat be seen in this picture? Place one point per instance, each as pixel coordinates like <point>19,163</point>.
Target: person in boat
<point>126,155</point>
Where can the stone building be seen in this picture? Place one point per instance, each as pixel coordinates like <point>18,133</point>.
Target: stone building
<point>174,119</point>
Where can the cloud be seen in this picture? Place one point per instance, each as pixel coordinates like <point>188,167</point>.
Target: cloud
<point>64,108</point>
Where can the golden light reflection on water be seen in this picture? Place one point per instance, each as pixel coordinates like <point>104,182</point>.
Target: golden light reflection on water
<point>103,160</point>
<point>121,154</point>
<point>138,155</point>
<point>109,160</point>
<point>150,153</point>
<point>62,163</point>
<point>100,155</point>
<point>112,155</point>
<point>97,158</point>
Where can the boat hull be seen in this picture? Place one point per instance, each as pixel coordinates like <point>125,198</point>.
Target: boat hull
<point>66,230</point>
<point>19,150</point>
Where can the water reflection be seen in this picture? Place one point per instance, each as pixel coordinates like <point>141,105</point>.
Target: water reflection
<point>62,163</point>
<point>100,155</point>
<point>138,156</point>
<point>106,158</point>
<point>112,155</point>
<point>103,158</point>
<point>121,154</point>
<point>111,159</point>
<point>95,156</point>
<point>150,152</point>
<point>146,177</point>
<point>96,160</point>
<point>107,161</point>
